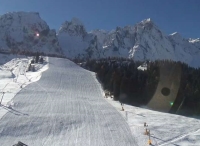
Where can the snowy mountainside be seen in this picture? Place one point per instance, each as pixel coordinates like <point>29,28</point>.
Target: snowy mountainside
<point>76,42</point>
<point>27,31</point>
<point>196,56</point>
<point>165,129</point>
<point>144,41</point>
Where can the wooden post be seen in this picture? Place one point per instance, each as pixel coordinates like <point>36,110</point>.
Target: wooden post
<point>149,141</point>
<point>146,131</point>
<point>126,115</point>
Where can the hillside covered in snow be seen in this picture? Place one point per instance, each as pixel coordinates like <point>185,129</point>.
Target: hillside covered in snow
<point>45,108</point>
<point>143,41</point>
<point>26,31</point>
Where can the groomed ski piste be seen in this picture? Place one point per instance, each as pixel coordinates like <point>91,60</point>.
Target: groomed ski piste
<point>64,107</point>
<point>62,104</point>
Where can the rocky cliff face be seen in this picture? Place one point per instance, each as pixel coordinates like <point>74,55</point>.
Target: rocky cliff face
<point>76,42</point>
<point>144,41</point>
<point>21,31</point>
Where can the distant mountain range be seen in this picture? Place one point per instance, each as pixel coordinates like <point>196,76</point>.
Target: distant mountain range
<point>143,41</point>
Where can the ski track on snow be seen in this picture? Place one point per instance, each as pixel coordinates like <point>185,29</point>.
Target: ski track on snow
<point>65,107</point>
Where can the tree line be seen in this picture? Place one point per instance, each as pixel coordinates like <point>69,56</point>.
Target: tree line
<point>134,86</point>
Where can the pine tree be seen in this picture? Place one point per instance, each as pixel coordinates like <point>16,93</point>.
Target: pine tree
<point>37,57</point>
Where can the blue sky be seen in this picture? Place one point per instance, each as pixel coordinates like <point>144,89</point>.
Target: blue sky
<point>182,16</point>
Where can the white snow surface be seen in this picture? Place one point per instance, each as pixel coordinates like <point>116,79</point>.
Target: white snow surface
<point>142,67</point>
<point>165,129</point>
<point>66,107</point>
<point>14,77</point>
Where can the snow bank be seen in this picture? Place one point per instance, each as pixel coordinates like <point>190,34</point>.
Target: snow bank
<point>13,77</point>
<point>5,74</point>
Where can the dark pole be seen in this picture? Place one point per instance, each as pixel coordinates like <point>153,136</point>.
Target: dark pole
<point>2,97</point>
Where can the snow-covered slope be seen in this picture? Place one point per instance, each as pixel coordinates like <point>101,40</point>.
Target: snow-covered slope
<point>64,108</point>
<point>144,41</point>
<point>187,49</point>
<point>14,77</point>
<point>53,112</point>
<point>165,129</point>
<point>21,31</point>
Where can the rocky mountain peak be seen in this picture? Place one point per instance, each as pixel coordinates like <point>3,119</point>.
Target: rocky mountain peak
<point>147,23</point>
<point>176,36</point>
<point>73,28</point>
<point>143,41</point>
<point>76,21</point>
<point>27,31</point>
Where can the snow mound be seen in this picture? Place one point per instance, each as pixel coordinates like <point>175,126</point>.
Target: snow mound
<point>5,74</point>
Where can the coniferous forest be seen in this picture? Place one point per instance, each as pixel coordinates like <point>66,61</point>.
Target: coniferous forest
<point>134,86</point>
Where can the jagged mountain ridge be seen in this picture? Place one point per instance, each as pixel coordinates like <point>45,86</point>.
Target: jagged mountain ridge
<point>21,31</point>
<point>144,41</point>
<point>76,42</point>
